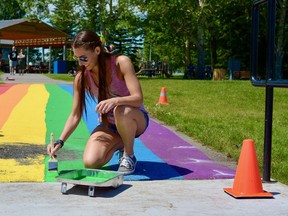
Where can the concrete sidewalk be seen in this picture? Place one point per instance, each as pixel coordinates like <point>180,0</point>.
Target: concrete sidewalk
<point>178,197</point>
<point>166,197</point>
<point>30,78</point>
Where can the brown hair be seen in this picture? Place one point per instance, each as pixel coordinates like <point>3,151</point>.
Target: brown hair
<point>89,40</point>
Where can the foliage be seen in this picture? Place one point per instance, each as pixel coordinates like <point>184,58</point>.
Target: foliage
<point>181,32</point>
<point>10,10</point>
<point>170,39</point>
<point>63,16</point>
<point>125,34</point>
<point>145,29</point>
<point>90,15</point>
<point>234,32</point>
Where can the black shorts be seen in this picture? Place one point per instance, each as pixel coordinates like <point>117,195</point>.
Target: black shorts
<point>113,128</point>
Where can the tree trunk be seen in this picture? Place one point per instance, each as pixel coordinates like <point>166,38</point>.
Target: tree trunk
<point>188,74</point>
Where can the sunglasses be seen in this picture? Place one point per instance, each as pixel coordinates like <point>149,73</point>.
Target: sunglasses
<point>82,59</point>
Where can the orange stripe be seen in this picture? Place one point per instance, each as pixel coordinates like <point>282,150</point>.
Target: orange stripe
<point>9,99</point>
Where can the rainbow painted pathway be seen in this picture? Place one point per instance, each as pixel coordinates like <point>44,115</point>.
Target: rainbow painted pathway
<point>30,112</point>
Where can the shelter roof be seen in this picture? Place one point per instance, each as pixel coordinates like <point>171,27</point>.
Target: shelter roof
<point>26,32</point>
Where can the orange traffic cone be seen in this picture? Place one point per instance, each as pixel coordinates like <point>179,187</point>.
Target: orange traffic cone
<point>163,97</point>
<point>247,182</point>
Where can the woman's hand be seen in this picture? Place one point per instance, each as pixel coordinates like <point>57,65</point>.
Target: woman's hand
<point>106,105</point>
<point>51,150</point>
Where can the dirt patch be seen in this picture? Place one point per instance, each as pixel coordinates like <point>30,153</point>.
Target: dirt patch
<point>21,151</point>
<point>25,153</point>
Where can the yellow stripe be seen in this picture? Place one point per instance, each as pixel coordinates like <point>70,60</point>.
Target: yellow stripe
<point>13,171</point>
<point>26,125</point>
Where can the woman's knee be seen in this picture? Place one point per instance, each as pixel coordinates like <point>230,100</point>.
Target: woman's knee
<point>97,149</point>
<point>92,162</point>
<point>122,111</point>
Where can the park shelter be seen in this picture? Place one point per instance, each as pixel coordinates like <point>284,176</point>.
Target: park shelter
<point>33,33</point>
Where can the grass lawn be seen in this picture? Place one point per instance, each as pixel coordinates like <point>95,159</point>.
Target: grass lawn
<point>64,77</point>
<point>0,75</point>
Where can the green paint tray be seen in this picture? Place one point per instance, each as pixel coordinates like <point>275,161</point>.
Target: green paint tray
<point>92,178</point>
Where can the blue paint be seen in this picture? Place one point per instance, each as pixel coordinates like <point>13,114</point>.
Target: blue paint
<point>91,120</point>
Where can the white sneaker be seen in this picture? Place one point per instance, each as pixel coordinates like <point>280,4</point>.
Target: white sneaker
<point>127,165</point>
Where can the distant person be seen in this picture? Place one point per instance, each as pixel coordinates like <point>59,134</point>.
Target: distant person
<point>140,65</point>
<point>153,64</point>
<point>153,67</point>
<point>12,56</point>
<point>112,49</point>
<point>21,62</point>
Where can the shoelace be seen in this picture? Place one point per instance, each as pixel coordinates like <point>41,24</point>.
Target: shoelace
<point>127,162</point>
<point>120,156</point>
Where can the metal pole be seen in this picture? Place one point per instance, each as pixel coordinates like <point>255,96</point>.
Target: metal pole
<point>43,54</point>
<point>269,92</point>
<point>27,57</point>
<point>49,60</point>
<point>64,52</point>
<point>268,133</point>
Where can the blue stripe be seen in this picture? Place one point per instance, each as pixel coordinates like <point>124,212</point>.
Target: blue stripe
<point>92,117</point>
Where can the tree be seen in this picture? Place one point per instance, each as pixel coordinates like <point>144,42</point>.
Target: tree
<point>64,16</point>
<point>37,9</point>
<point>125,31</point>
<point>11,10</point>
<point>173,39</point>
<point>228,25</point>
<point>180,31</point>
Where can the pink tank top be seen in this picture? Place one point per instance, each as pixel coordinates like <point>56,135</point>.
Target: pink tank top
<point>117,88</point>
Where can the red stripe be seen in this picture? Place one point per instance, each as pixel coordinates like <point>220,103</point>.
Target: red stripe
<point>5,87</point>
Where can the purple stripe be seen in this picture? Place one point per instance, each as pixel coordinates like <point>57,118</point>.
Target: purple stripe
<point>177,152</point>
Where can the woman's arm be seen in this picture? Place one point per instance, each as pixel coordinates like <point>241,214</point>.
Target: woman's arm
<point>126,68</point>
<point>72,121</point>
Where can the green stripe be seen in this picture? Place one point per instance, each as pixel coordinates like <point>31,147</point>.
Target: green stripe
<point>57,111</point>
